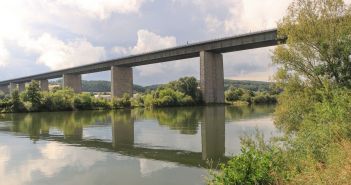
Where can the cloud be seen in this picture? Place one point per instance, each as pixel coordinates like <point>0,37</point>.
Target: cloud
<point>103,8</point>
<point>4,55</point>
<point>147,41</point>
<point>57,54</point>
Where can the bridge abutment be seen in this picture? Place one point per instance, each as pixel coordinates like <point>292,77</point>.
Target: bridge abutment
<point>121,81</point>
<point>44,85</point>
<point>211,77</point>
<point>73,81</point>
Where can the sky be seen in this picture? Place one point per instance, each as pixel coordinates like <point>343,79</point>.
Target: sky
<point>38,36</point>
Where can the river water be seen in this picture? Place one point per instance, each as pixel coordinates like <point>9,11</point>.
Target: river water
<point>151,147</point>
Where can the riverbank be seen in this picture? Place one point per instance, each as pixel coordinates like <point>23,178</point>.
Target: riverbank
<point>182,92</point>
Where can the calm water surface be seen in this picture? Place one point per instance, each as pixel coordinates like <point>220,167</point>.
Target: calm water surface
<point>162,146</point>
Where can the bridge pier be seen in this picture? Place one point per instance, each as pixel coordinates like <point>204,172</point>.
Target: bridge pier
<point>44,85</point>
<point>4,89</point>
<point>73,81</point>
<point>13,87</point>
<point>211,77</point>
<point>213,133</point>
<point>121,81</point>
<point>122,129</point>
<point>21,87</point>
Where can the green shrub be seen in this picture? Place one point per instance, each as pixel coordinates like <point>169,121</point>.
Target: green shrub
<point>120,103</point>
<point>101,103</point>
<point>16,103</point>
<point>83,101</point>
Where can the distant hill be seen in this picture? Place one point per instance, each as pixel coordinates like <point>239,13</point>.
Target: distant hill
<point>105,86</point>
<point>249,85</point>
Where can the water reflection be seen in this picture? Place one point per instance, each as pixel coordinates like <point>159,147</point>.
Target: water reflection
<point>71,127</point>
<point>213,133</point>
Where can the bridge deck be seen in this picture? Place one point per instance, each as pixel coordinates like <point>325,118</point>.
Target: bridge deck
<point>229,44</point>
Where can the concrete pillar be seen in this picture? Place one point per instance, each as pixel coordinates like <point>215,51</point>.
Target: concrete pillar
<point>13,87</point>
<point>21,87</point>
<point>213,133</point>
<point>73,81</point>
<point>5,89</point>
<point>211,77</point>
<point>44,85</point>
<point>121,81</point>
<point>122,129</point>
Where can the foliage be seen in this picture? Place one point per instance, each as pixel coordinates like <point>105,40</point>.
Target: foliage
<point>186,85</point>
<point>16,104</point>
<point>120,103</point>
<point>319,42</point>
<point>238,94</point>
<point>83,101</point>
<point>32,96</point>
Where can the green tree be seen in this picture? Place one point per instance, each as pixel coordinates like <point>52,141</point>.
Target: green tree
<point>318,41</point>
<point>33,96</point>
<point>17,105</point>
<point>186,85</point>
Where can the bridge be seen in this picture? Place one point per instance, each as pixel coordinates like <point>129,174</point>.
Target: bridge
<point>211,66</point>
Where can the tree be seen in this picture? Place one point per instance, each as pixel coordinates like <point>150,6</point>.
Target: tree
<point>186,85</point>
<point>17,105</point>
<point>318,42</point>
<point>33,95</point>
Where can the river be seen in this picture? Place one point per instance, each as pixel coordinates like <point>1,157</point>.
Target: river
<point>151,147</point>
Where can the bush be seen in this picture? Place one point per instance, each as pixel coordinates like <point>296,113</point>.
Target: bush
<point>16,104</point>
<point>250,167</point>
<point>83,101</point>
<point>120,103</point>
<point>100,103</point>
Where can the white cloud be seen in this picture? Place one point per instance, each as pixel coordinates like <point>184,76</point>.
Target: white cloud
<point>57,54</point>
<point>147,41</point>
<point>255,15</point>
<point>103,8</point>
<point>4,55</point>
<point>213,24</point>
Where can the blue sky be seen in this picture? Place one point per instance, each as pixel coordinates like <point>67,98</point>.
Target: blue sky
<point>43,35</point>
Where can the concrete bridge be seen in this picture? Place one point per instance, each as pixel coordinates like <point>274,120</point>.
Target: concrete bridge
<point>211,65</point>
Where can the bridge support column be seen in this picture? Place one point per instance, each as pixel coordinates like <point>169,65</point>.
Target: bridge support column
<point>44,85</point>
<point>122,128</point>
<point>21,87</point>
<point>211,77</point>
<point>4,89</point>
<point>73,81</point>
<point>13,87</point>
<point>213,133</point>
<point>121,81</point>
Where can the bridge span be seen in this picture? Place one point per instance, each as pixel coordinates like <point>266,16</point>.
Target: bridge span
<point>211,65</point>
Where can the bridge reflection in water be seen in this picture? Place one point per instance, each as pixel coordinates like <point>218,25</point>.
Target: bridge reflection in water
<point>68,128</point>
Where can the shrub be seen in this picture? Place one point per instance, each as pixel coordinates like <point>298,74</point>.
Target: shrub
<point>119,103</point>
<point>82,101</point>
<point>16,104</point>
